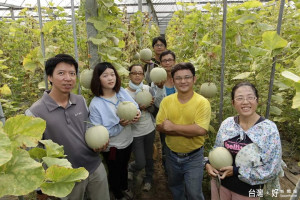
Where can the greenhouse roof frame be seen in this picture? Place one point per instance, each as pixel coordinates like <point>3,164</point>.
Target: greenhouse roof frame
<point>161,10</point>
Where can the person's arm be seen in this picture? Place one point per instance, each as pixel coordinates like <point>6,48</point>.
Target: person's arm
<point>114,129</point>
<point>170,128</point>
<point>159,94</point>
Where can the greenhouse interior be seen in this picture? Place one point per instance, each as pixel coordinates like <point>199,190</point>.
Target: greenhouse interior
<point>227,42</point>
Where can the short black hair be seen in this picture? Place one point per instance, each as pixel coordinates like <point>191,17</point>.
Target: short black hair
<point>96,86</point>
<point>245,83</point>
<point>131,66</point>
<point>52,62</point>
<point>183,66</point>
<point>159,38</point>
<point>167,53</point>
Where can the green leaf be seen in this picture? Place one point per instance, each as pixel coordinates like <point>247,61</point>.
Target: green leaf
<point>5,148</point>
<point>25,130</point>
<point>290,76</point>
<point>98,41</point>
<point>252,4</point>
<point>37,153</point>
<point>265,27</point>
<point>48,27</point>
<point>297,62</point>
<point>100,25</point>
<point>57,161</point>
<point>278,99</point>
<point>112,57</point>
<point>296,100</point>
<point>57,189</point>
<point>21,175</point>
<point>246,19</point>
<point>273,41</point>
<point>1,52</point>
<point>244,75</point>
<point>53,149</point>
<point>108,3</point>
<point>121,44</point>
<point>62,174</point>
<point>257,51</point>
<point>275,110</point>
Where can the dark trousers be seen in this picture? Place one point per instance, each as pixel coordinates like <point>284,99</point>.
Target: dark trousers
<point>117,164</point>
<point>163,149</point>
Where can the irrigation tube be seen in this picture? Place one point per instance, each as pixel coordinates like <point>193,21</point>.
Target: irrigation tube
<point>42,40</point>
<point>274,60</point>
<point>75,41</point>
<point>223,59</point>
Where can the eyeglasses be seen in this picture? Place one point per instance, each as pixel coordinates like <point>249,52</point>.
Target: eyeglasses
<point>159,45</point>
<point>242,99</point>
<point>186,78</point>
<point>169,60</point>
<point>137,73</point>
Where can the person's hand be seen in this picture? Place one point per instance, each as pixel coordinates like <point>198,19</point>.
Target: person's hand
<point>147,61</point>
<point>160,84</point>
<point>211,170</point>
<point>102,148</point>
<point>226,172</point>
<point>124,122</point>
<point>167,125</point>
<point>143,107</point>
<point>137,117</point>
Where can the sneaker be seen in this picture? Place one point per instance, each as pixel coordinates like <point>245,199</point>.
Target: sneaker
<point>128,194</point>
<point>130,176</point>
<point>147,187</point>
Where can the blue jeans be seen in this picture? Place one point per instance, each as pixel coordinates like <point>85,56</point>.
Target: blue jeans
<point>185,175</point>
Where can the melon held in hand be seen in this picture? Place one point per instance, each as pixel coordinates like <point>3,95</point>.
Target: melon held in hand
<point>158,75</point>
<point>126,110</point>
<point>146,54</point>
<point>143,98</point>
<point>220,157</point>
<point>96,137</point>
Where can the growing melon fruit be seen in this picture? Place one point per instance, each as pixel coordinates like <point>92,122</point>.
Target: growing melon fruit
<point>143,98</point>
<point>115,40</point>
<point>208,90</point>
<point>158,74</point>
<point>220,157</point>
<point>126,110</point>
<point>96,136</point>
<point>86,78</point>
<point>146,54</point>
<point>136,56</point>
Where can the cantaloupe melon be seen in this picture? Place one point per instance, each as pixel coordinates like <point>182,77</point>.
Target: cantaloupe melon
<point>126,110</point>
<point>158,74</point>
<point>220,157</point>
<point>86,78</point>
<point>208,90</point>
<point>96,136</point>
<point>146,54</point>
<point>143,98</point>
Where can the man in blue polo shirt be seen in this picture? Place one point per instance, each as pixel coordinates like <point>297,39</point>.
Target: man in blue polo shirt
<point>66,115</point>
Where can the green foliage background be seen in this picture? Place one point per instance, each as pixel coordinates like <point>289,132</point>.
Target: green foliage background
<point>195,36</point>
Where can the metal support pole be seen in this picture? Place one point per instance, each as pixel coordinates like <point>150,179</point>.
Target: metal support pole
<point>2,117</point>
<point>140,7</point>
<point>42,41</point>
<point>274,61</point>
<point>12,14</point>
<point>223,59</point>
<point>75,41</point>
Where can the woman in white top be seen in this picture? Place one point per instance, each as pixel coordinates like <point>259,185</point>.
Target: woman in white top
<point>143,131</point>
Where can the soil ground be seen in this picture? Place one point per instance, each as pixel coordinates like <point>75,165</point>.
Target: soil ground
<point>160,190</point>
